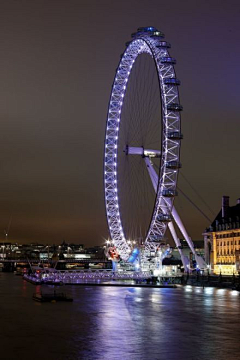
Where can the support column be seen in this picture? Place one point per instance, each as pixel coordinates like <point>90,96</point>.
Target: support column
<point>184,258</point>
<point>154,177</point>
<point>206,249</point>
<point>152,173</point>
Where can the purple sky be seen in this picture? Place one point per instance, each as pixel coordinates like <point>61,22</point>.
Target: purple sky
<point>57,64</point>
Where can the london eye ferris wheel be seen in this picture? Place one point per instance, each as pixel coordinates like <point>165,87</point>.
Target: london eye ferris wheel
<point>142,145</point>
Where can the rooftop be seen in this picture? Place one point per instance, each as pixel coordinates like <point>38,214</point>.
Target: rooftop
<point>227,218</point>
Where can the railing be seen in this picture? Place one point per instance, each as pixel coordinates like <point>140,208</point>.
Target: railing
<point>71,276</point>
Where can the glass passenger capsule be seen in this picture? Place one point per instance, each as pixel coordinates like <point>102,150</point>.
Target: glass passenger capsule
<point>169,193</point>
<point>164,217</point>
<point>164,44</point>
<point>174,135</point>
<point>173,165</point>
<point>172,81</point>
<point>174,107</point>
<point>168,60</point>
<point>157,34</point>
<point>157,238</point>
<point>147,29</point>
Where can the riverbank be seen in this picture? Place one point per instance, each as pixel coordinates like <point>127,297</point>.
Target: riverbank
<point>217,281</point>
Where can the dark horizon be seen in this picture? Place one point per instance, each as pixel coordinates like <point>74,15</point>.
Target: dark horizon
<point>57,67</point>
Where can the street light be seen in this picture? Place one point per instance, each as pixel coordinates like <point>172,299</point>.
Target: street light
<point>3,248</point>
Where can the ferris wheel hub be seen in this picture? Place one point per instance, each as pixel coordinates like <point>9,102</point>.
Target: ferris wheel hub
<point>134,150</point>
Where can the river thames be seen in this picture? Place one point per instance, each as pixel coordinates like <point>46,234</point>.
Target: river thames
<point>111,323</point>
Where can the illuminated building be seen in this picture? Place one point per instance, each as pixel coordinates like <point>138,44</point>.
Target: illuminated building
<point>222,240</point>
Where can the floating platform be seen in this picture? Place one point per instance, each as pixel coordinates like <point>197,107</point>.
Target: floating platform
<point>36,281</point>
<point>33,280</point>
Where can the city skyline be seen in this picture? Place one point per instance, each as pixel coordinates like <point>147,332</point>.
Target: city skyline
<point>57,70</point>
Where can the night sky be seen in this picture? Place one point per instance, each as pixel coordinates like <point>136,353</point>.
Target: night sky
<point>57,65</point>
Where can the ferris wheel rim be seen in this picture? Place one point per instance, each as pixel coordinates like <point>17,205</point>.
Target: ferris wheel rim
<point>142,43</point>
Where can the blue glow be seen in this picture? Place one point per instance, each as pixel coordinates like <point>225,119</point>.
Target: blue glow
<point>133,255</point>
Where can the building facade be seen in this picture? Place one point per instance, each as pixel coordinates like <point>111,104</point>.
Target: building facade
<point>222,240</point>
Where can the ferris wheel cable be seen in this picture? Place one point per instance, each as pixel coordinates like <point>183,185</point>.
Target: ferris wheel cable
<point>188,198</point>
<point>149,105</point>
<point>206,217</point>
<point>188,182</point>
<point>140,91</point>
<point>143,116</point>
<point>141,88</point>
<point>151,139</point>
<point>133,188</point>
<point>131,171</point>
<point>141,193</point>
<point>135,94</point>
<point>152,130</point>
<point>154,110</point>
<point>151,124</point>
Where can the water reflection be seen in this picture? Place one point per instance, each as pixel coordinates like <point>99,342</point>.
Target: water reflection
<point>119,323</point>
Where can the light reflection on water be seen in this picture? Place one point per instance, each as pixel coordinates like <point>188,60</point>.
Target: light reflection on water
<point>115,323</point>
